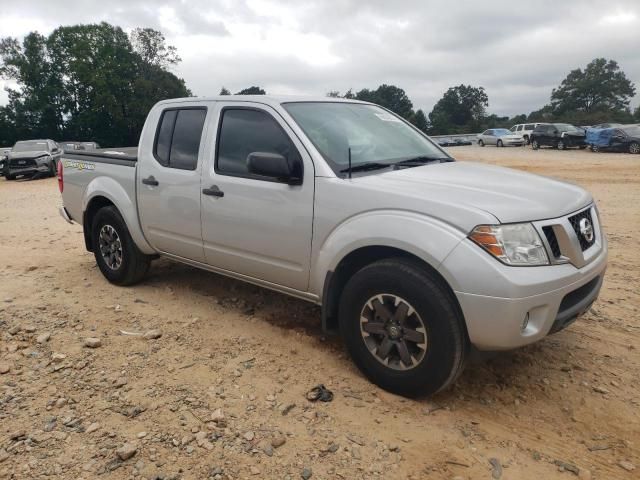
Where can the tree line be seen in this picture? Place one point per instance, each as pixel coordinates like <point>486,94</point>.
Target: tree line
<point>96,82</point>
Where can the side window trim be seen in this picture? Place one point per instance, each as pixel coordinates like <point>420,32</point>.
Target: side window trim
<point>248,175</point>
<point>173,128</point>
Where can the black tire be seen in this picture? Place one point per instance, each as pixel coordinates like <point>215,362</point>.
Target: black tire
<point>52,168</point>
<point>634,148</point>
<point>446,341</point>
<point>481,143</point>
<point>534,144</point>
<point>499,144</point>
<point>595,148</point>
<point>527,140</point>
<point>560,145</point>
<point>133,264</point>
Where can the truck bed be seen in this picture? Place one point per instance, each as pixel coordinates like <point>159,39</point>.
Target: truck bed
<point>117,156</point>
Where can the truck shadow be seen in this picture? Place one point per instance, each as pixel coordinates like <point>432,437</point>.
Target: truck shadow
<point>488,377</point>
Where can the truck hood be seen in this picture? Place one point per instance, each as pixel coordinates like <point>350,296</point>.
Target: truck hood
<point>507,194</point>
<point>30,154</point>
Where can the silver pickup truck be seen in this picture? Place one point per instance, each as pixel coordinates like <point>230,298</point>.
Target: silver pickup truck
<point>415,258</point>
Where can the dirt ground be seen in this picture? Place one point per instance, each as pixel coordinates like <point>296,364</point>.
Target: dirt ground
<point>223,387</point>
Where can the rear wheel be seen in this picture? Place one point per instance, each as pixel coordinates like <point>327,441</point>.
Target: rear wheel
<point>52,168</point>
<point>7,175</point>
<point>402,328</point>
<point>634,148</point>
<point>500,144</point>
<point>526,139</point>
<point>117,256</point>
<point>481,143</point>
<point>534,144</point>
<point>561,145</point>
<point>595,148</point>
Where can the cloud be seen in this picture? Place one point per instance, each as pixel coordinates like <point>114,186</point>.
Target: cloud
<point>518,52</point>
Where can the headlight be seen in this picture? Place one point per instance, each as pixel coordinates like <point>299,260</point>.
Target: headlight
<point>515,244</point>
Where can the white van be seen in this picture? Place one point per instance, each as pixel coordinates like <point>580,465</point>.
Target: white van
<point>525,129</point>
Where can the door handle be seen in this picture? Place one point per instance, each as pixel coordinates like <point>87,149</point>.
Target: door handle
<point>150,181</point>
<point>213,191</point>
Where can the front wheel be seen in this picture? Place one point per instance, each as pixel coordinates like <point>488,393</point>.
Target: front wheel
<point>481,143</point>
<point>595,148</point>
<point>561,145</point>
<point>402,327</point>
<point>634,148</point>
<point>117,256</point>
<point>500,144</point>
<point>52,168</point>
<point>526,140</point>
<point>535,145</point>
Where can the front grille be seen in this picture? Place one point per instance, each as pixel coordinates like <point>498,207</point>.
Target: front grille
<point>552,240</point>
<point>575,223</point>
<point>22,162</point>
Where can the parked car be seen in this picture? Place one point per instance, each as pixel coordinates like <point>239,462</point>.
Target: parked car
<point>4,155</point>
<point>90,145</point>
<point>70,146</point>
<point>500,137</point>
<point>525,130</point>
<point>30,157</point>
<point>558,135</point>
<point>606,125</point>
<point>462,142</point>
<point>415,258</point>
<point>444,142</point>
<point>622,139</point>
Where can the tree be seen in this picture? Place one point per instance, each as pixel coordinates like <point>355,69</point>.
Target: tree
<point>151,45</point>
<point>86,82</point>
<point>636,115</point>
<point>601,87</point>
<point>252,91</point>
<point>419,119</point>
<point>224,91</point>
<point>389,96</point>
<point>460,110</point>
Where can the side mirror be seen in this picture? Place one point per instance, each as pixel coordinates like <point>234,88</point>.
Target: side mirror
<point>272,165</point>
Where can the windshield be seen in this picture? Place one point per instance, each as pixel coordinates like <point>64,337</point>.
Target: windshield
<point>372,134</point>
<point>31,147</point>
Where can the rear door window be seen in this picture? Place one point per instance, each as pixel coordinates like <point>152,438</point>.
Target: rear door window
<point>178,138</point>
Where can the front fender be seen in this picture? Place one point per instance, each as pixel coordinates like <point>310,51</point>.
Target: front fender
<point>113,191</point>
<point>427,238</point>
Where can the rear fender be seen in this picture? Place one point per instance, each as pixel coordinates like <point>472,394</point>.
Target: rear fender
<point>114,192</point>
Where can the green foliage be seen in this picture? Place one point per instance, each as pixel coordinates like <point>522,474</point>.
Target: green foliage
<point>252,91</point>
<point>389,96</point>
<point>419,119</point>
<point>601,87</point>
<point>460,110</point>
<point>86,82</point>
<point>224,91</point>
<point>636,115</point>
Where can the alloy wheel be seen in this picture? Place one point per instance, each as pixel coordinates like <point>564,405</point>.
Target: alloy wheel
<point>110,247</point>
<point>634,148</point>
<point>393,332</point>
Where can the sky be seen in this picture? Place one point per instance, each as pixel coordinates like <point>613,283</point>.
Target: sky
<point>518,51</point>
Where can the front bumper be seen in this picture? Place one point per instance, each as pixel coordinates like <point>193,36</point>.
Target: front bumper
<point>30,170</point>
<point>549,297</point>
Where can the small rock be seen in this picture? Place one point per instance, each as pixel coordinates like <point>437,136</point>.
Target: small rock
<point>126,451</point>
<point>58,357</point>
<point>285,409</point>
<point>600,389</point>
<point>43,338</point>
<point>142,434</point>
<point>496,472</point>
<point>217,416</point>
<point>3,455</point>
<point>584,474</point>
<point>120,382</point>
<point>4,368</point>
<point>249,436</point>
<point>254,471</point>
<point>306,473</point>
<point>567,466</point>
<point>628,466</point>
<point>277,442</point>
<point>152,334</point>
<point>92,427</point>
<point>92,342</point>
<point>29,329</point>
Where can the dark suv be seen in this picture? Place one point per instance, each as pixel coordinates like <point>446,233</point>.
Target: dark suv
<point>558,135</point>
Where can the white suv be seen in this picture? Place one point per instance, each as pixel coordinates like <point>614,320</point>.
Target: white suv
<point>525,129</point>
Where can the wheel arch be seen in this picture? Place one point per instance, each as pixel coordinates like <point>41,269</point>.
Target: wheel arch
<point>104,191</point>
<point>357,259</point>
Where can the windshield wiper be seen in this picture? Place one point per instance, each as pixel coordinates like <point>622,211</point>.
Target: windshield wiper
<point>363,167</point>
<point>415,161</point>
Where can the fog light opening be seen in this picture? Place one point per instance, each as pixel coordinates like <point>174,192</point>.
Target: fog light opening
<point>525,322</point>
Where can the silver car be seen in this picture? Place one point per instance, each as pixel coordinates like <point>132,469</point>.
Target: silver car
<point>500,137</point>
